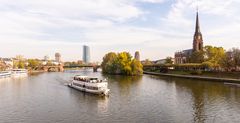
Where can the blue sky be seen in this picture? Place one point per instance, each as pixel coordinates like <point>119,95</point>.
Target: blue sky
<point>156,28</point>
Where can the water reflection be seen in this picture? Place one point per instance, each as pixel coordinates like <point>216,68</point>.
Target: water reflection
<point>102,104</point>
<point>207,99</point>
<point>99,104</point>
<point>46,98</point>
<point>125,83</point>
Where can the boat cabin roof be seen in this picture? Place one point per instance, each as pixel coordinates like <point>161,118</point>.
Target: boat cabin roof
<point>82,77</point>
<point>87,79</point>
<point>4,72</point>
<point>19,70</point>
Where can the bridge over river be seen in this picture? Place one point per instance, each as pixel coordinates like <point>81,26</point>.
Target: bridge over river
<point>60,68</point>
<point>95,67</point>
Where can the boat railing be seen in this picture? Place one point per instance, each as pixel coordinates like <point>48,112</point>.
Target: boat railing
<point>89,80</point>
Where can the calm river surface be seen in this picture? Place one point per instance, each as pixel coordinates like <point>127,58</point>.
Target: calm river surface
<point>45,98</point>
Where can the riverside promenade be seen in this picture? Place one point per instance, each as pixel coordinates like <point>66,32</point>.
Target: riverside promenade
<point>225,80</point>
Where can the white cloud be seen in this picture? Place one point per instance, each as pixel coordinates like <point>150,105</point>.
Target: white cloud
<point>218,20</point>
<point>154,1</point>
<point>116,10</point>
<point>107,25</point>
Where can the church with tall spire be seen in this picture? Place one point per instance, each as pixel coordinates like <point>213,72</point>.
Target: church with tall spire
<point>197,38</point>
<point>181,57</point>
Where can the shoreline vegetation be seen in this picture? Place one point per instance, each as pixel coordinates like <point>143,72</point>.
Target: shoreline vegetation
<point>211,61</point>
<point>191,69</point>
<point>121,64</point>
<point>208,78</point>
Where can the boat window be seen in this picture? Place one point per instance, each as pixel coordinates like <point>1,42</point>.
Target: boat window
<point>78,84</point>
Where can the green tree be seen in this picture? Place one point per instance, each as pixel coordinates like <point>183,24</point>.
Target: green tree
<point>33,63</point>
<point>67,63</point>
<point>137,67</point>
<point>147,62</point>
<point>21,64</point>
<point>124,61</point>
<point>121,63</point>
<point>227,62</point>
<point>197,57</point>
<point>109,63</point>
<point>214,55</point>
<point>207,65</point>
<point>18,64</point>
<point>2,66</point>
<point>169,60</point>
<point>236,56</point>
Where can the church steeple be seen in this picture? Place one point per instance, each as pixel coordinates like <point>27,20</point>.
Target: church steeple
<point>197,39</point>
<point>197,28</point>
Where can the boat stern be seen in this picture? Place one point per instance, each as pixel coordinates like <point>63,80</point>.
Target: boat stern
<point>106,92</point>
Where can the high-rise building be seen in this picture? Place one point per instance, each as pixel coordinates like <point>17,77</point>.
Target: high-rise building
<point>137,55</point>
<point>46,58</point>
<point>57,57</point>
<point>86,54</point>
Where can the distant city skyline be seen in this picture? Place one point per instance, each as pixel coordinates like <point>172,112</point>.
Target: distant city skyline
<point>155,28</point>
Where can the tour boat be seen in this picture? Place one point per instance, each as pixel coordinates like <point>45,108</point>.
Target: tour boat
<point>5,74</point>
<point>90,84</point>
<point>19,72</point>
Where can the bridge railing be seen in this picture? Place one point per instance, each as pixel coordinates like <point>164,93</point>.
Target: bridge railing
<point>75,66</point>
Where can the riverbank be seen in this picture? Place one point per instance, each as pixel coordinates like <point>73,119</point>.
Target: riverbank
<point>216,79</point>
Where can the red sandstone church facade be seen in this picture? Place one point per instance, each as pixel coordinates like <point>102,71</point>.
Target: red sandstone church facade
<point>182,56</point>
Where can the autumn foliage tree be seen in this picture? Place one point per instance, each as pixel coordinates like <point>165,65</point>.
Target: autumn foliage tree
<point>214,55</point>
<point>33,63</point>
<point>121,63</point>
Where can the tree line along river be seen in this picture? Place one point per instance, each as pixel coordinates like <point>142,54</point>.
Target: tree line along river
<point>139,99</point>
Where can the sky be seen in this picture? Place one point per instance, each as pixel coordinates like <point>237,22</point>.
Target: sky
<point>155,28</point>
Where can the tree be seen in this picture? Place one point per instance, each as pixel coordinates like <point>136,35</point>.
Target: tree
<point>2,66</point>
<point>18,64</point>
<point>210,56</point>
<point>227,62</point>
<point>21,64</point>
<point>121,63</point>
<point>214,55</point>
<point>33,63</point>
<point>67,63</point>
<point>124,61</point>
<point>169,60</point>
<point>207,65</point>
<point>137,67</point>
<point>197,57</point>
<point>108,64</point>
<point>236,57</point>
<point>147,62</point>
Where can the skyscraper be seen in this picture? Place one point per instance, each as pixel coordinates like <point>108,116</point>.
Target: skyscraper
<point>137,55</point>
<point>58,57</point>
<point>46,58</point>
<point>86,54</point>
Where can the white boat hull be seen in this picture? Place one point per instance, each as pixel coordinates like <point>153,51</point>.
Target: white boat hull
<point>5,75</point>
<point>99,92</point>
<point>19,75</point>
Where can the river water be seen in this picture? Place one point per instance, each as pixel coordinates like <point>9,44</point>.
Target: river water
<point>45,98</point>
